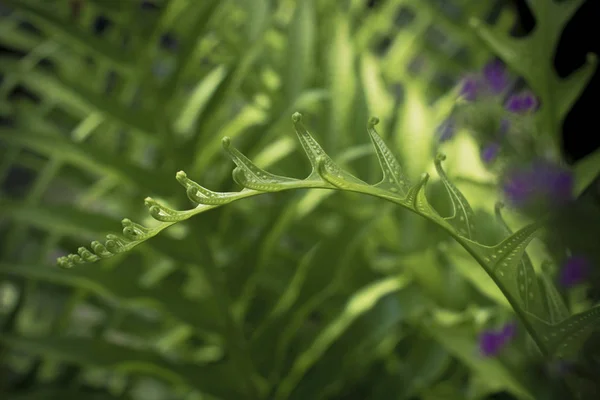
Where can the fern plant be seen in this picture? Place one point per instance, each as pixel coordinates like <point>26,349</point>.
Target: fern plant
<point>259,301</point>
<point>545,313</point>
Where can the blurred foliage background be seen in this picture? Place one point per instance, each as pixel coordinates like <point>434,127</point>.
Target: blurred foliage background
<point>102,101</point>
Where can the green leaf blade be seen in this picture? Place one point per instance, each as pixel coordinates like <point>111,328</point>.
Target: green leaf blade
<point>393,179</point>
<point>463,218</point>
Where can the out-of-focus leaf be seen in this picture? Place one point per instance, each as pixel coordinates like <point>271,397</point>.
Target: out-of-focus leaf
<point>586,171</point>
<point>70,34</point>
<point>50,393</point>
<point>89,158</point>
<point>341,78</point>
<point>301,54</point>
<point>359,303</point>
<point>198,100</point>
<point>467,267</point>
<point>461,342</point>
<point>414,133</point>
<point>211,379</point>
<point>126,291</point>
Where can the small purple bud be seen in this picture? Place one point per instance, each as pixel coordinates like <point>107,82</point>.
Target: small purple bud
<point>574,271</point>
<point>522,103</point>
<point>496,76</point>
<point>509,331</point>
<point>490,343</point>
<point>446,130</point>
<point>529,101</point>
<point>554,181</point>
<point>513,104</point>
<point>490,152</point>
<point>470,88</point>
<point>518,188</point>
<point>542,181</point>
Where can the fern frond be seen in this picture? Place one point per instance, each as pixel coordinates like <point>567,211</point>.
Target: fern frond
<point>506,262</point>
<point>325,174</point>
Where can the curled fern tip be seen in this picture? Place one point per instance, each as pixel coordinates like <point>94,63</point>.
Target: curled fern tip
<point>180,176</point>
<point>226,142</point>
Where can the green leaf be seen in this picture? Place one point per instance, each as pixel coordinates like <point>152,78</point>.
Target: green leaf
<point>72,35</point>
<point>65,220</point>
<point>126,291</point>
<point>557,308</point>
<point>198,100</point>
<point>461,342</point>
<point>379,100</point>
<point>341,80</point>
<point>586,171</point>
<point>565,339</point>
<point>316,155</point>
<point>247,118</point>
<point>79,98</point>
<point>368,341</point>
<point>569,89</point>
<point>393,179</point>
<point>248,175</point>
<point>531,297</point>
<point>463,218</point>
<point>414,133</point>
<point>212,379</point>
<point>359,303</point>
<point>89,158</point>
<point>300,59</point>
<point>472,271</point>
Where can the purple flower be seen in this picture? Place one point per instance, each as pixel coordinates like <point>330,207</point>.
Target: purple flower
<point>446,130</point>
<point>492,342</point>
<point>574,271</point>
<point>496,76</point>
<point>518,189</point>
<point>522,103</point>
<point>470,88</point>
<point>509,331</point>
<point>490,152</point>
<point>541,180</point>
